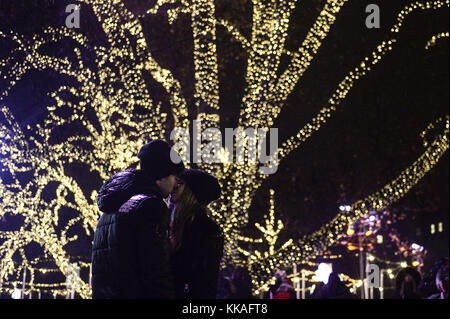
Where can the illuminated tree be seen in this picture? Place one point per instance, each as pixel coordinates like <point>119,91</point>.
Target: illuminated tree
<point>109,100</point>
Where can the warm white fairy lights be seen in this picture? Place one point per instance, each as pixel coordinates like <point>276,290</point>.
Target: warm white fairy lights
<point>112,103</point>
<point>269,232</point>
<point>316,243</point>
<point>434,39</point>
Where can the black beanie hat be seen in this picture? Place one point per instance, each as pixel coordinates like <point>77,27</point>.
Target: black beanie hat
<point>156,160</point>
<point>204,186</point>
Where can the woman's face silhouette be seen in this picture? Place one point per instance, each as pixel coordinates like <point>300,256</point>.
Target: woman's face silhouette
<point>177,191</point>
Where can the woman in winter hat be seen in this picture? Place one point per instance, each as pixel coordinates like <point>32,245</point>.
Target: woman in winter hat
<point>196,240</point>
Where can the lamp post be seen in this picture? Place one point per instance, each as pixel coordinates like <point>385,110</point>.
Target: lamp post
<point>1,280</point>
<point>24,278</point>
<point>303,284</point>
<point>90,276</point>
<point>361,265</point>
<point>296,282</point>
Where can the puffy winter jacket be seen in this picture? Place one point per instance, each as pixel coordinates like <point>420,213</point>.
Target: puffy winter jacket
<point>130,254</point>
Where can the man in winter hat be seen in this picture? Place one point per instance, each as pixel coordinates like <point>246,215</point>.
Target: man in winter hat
<point>130,254</point>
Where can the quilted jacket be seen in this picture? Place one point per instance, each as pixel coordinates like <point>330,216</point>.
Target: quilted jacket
<point>130,254</point>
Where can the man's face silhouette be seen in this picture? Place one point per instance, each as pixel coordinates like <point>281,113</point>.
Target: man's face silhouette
<point>166,184</point>
<point>177,191</point>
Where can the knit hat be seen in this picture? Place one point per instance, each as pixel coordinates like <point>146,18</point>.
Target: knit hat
<point>159,160</point>
<point>204,186</point>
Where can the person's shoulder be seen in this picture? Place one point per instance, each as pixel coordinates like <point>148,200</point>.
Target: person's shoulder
<point>153,206</point>
<point>147,206</point>
<point>150,201</point>
<point>137,202</point>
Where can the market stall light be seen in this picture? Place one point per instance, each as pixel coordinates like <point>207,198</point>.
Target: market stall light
<point>323,272</point>
<point>417,248</point>
<point>379,239</point>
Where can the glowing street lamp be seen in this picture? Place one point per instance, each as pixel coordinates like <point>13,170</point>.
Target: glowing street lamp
<point>323,272</point>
